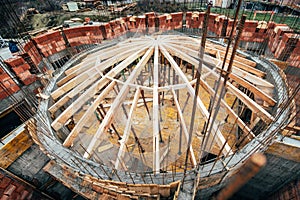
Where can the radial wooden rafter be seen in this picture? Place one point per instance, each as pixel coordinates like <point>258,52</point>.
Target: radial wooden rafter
<point>97,75</point>
<point>119,99</point>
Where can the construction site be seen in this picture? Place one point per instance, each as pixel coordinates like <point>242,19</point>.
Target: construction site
<point>163,100</point>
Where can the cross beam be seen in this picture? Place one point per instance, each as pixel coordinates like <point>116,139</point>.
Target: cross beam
<point>220,138</point>
<point>118,100</point>
<point>89,93</point>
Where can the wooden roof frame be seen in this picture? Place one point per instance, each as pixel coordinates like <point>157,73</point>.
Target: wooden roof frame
<point>89,79</point>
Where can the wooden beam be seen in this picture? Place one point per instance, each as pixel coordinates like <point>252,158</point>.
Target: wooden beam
<point>78,103</point>
<point>71,94</point>
<point>210,47</point>
<point>194,53</point>
<point>156,139</point>
<point>257,92</point>
<point>215,61</point>
<point>250,77</point>
<point>91,57</point>
<point>89,93</point>
<point>184,128</point>
<point>118,100</point>
<point>164,155</point>
<point>127,129</point>
<point>264,115</point>
<point>87,115</point>
<point>220,138</point>
<point>87,75</point>
<point>246,67</point>
<point>252,105</point>
<point>229,111</point>
<point>292,128</point>
<point>104,54</point>
<point>82,65</point>
<point>80,87</point>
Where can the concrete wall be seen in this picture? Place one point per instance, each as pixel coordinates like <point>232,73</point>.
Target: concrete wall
<point>282,170</point>
<point>277,173</point>
<point>29,167</point>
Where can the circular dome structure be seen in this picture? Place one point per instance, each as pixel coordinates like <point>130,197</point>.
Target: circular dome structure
<point>125,116</point>
<point>129,106</point>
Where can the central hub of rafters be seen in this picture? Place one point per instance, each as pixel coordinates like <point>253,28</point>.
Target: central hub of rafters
<point>128,106</point>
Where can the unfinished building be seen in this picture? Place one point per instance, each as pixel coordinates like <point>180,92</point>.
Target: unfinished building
<point>144,108</point>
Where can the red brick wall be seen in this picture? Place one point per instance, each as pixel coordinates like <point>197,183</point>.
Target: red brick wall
<point>141,24</point>
<point>151,22</point>
<point>83,35</point>
<point>294,58</point>
<point>21,69</point>
<point>106,31</point>
<point>13,189</point>
<point>196,20</point>
<point>213,24</point>
<point>33,52</point>
<point>53,42</point>
<point>177,20</point>
<point>8,83</point>
<point>50,43</point>
<point>289,191</point>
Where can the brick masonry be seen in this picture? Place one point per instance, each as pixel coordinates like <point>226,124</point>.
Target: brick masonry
<point>277,36</point>
<point>281,40</point>
<point>13,189</point>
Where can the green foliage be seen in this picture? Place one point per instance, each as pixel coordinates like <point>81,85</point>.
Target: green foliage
<point>280,18</point>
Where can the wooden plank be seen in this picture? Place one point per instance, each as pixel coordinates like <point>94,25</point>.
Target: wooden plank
<point>285,150</point>
<point>89,93</point>
<point>194,53</point>
<point>164,155</point>
<point>119,99</point>
<point>229,111</point>
<point>245,67</point>
<point>215,61</point>
<point>253,89</point>
<point>219,137</point>
<point>251,78</point>
<point>239,59</point>
<point>126,103</point>
<point>105,147</point>
<point>252,105</point>
<point>114,56</point>
<point>127,129</point>
<point>90,59</point>
<point>68,77</point>
<point>78,103</point>
<point>184,128</point>
<point>14,149</point>
<point>210,47</point>
<point>264,115</point>
<point>155,120</point>
<point>104,54</point>
<point>71,94</point>
<point>89,74</point>
<point>87,115</point>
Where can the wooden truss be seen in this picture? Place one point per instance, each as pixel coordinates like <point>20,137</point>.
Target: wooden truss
<point>90,82</point>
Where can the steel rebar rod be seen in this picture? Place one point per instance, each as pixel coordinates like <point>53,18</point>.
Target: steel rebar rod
<point>198,77</point>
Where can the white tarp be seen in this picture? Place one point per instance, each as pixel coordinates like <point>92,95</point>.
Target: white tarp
<point>72,6</point>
